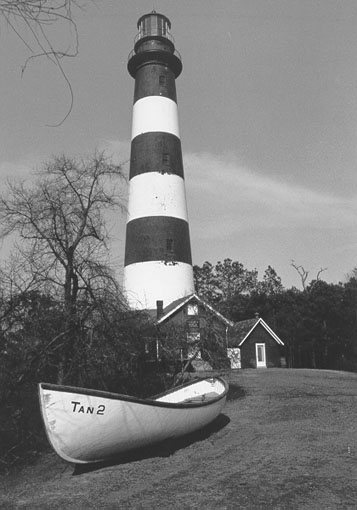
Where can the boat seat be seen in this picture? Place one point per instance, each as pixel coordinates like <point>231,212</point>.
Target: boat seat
<point>201,398</point>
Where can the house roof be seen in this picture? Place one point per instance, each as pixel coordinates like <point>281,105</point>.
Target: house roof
<point>240,330</point>
<point>175,306</point>
<point>243,329</point>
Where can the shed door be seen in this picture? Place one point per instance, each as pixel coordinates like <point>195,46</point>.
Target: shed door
<point>260,355</point>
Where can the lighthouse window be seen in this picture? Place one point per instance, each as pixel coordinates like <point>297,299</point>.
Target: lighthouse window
<point>154,25</point>
<point>166,158</point>
<point>162,79</point>
<point>169,245</point>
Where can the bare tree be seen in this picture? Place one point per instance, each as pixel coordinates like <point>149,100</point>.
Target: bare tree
<point>60,221</point>
<point>34,21</point>
<point>62,245</point>
<point>304,274</point>
<point>352,274</point>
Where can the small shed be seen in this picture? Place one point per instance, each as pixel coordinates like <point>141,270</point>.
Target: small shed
<point>253,344</point>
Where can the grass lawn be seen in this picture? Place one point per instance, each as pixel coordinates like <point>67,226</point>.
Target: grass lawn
<point>287,439</point>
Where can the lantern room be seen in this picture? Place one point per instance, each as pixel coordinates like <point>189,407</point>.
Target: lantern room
<point>154,25</point>
<point>154,43</point>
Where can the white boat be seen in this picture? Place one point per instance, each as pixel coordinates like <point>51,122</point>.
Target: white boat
<point>85,426</point>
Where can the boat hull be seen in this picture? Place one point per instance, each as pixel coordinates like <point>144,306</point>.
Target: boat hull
<point>85,426</point>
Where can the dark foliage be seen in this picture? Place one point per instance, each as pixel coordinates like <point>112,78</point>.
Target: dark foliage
<point>105,352</point>
<point>317,324</point>
<point>63,318</point>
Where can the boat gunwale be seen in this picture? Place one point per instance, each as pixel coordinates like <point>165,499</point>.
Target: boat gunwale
<point>143,401</point>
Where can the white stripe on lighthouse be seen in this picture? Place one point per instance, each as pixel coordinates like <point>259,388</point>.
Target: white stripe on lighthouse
<point>155,113</point>
<point>145,282</point>
<point>155,194</point>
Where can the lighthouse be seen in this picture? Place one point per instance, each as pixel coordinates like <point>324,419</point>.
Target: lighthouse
<point>158,262</point>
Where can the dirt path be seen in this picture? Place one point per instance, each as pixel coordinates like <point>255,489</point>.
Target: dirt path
<point>287,440</point>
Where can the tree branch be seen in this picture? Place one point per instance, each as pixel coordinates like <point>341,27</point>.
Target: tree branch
<point>38,16</point>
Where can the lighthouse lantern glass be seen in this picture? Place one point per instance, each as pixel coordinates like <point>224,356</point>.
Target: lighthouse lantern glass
<point>154,25</point>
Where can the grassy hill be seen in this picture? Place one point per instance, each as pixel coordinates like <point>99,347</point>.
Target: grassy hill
<point>287,440</point>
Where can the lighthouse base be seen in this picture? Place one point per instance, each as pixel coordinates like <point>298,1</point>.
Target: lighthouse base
<point>167,282</point>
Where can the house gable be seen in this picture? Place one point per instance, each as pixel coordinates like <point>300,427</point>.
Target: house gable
<point>260,336</point>
<point>178,305</point>
<point>270,331</point>
<point>247,337</point>
<point>243,330</point>
<point>192,330</point>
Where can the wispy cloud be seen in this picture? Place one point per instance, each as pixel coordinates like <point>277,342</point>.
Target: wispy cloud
<point>118,150</point>
<point>234,210</point>
<point>15,170</point>
<point>226,197</point>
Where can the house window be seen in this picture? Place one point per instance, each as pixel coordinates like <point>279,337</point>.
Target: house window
<point>194,352</point>
<point>192,309</point>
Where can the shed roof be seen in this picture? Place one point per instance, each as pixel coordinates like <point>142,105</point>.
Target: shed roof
<point>243,329</point>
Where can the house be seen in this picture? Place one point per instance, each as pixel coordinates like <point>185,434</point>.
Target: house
<point>253,344</point>
<point>191,329</point>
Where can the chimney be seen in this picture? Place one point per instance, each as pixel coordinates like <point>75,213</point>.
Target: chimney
<point>159,309</point>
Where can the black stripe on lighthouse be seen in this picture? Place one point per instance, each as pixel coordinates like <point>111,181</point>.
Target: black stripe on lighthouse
<point>155,80</point>
<point>156,152</point>
<point>157,238</point>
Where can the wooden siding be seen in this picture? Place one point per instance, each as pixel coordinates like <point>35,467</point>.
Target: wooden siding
<point>183,328</point>
<point>272,350</point>
<point>200,322</point>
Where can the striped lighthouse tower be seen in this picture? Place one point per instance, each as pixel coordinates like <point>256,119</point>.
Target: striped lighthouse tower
<point>158,264</point>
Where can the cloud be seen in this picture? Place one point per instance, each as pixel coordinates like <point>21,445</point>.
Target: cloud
<point>118,150</point>
<point>225,197</point>
<point>15,170</point>
<point>242,213</point>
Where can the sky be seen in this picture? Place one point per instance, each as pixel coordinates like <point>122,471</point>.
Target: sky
<point>268,122</point>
